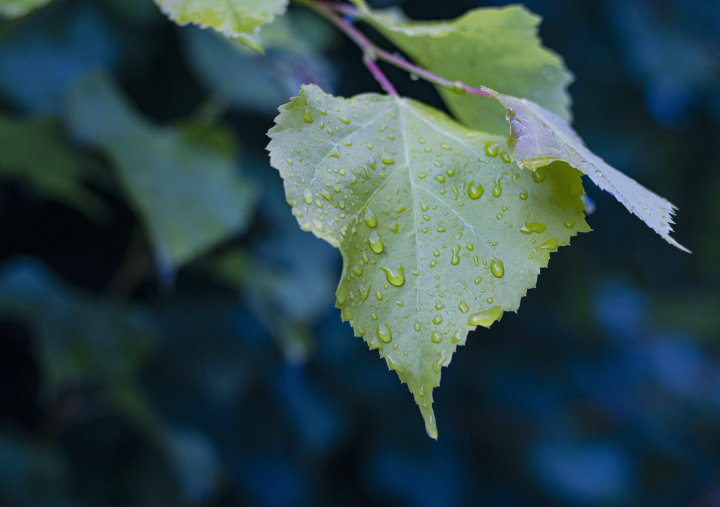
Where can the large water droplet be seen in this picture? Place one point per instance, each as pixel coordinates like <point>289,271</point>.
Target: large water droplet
<point>383,332</point>
<point>370,219</point>
<point>395,274</point>
<point>485,318</point>
<point>436,337</point>
<point>463,307</point>
<point>437,319</point>
<point>497,268</point>
<point>307,115</point>
<point>550,245</point>
<point>531,227</point>
<point>375,242</point>
<point>475,191</point>
<point>307,196</point>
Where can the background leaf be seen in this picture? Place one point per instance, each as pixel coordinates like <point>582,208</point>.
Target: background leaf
<point>240,19</point>
<point>494,47</point>
<point>439,231</point>
<point>36,153</point>
<point>18,8</point>
<point>188,192</point>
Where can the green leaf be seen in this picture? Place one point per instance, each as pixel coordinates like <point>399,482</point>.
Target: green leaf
<point>497,48</point>
<point>238,19</point>
<point>539,137</point>
<point>19,8</point>
<point>439,230</point>
<point>183,182</point>
<point>35,152</point>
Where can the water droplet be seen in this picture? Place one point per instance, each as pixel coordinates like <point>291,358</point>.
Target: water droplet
<point>531,227</point>
<point>436,337</point>
<point>485,318</point>
<point>505,157</point>
<point>437,319</point>
<point>393,364</point>
<point>307,116</point>
<point>383,332</point>
<point>379,295</point>
<point>346,313</point>
<point>417,326</point>
<point>497,191</point>
<point>387,161</point>
<point>458,87</point>
<point>523,196</point>
<point>445,146</point>
<point>440,178</point>
<point>441,229</point>
<point>341,295</point>
<point>358,270</point>
<point>369,146</point>
<point>491,149</point>
<point>395,228</point>
<point>364,291</point>
<point>375,242</point>
<point>370,220</point>
<point>307,196</point>
<point>455,260</point>
<point>475,191</point>
<point>455,338</point>
<point>395,274</point>
<point>569,224</point>
<point>540,174</point>
<point>343,120</point>
<point>439,305</point>
<point>497,268</point>
<point>327,197</point>
<point>550,245</point>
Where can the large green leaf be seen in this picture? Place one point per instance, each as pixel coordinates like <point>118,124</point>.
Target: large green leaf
<point>440,231</point>
<point>183,182</point>
<point>497,48</point>
<point>240,19</point>
<point>36,152</point>
<point>539,137</point>
<point>18,8</point>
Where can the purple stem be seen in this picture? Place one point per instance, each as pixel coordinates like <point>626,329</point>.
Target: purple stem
<point>369,60</point>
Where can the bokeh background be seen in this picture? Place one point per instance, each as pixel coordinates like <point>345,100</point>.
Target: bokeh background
<point>206,365</point>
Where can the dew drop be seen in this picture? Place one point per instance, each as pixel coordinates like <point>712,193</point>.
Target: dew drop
<point>383,333</point>
<point>307,196</point>
<point>307,116</point>
<point>375,242</point>
<point>436,337</point>
<point>437,319</point>
<point>475,191</point>
<point>531,227</point>
<point>370,220</point>
<point>395,274</point>
<point>364,291</point>
<point>497,268</point>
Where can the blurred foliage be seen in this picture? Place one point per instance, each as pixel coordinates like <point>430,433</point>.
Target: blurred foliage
<point>222,376</point>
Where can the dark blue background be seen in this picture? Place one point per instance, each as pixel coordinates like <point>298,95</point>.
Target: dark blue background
<point>604,390</point>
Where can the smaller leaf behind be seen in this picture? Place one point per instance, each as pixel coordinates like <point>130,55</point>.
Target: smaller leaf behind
<point>497,48</point>
<point>440,232</point>
<point>538,137</point>
<point>237,19</point>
